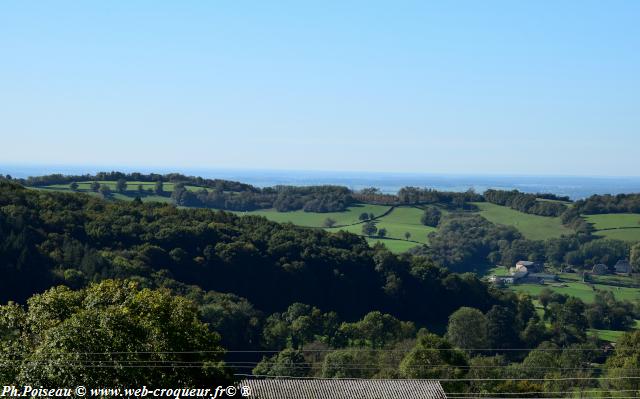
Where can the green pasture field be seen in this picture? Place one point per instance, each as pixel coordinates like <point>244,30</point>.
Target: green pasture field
<point>395,246</point>
<point>614,220</point>
<point>616,226</point>
<point>629,235</point>
<point>400,220</point>
<point>405,219</point>
<point>606,335</point>
<point>397,222</point>
<point>312,219</point>
<point>533,227</point>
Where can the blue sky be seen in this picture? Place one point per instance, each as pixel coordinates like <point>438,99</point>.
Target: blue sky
<point>509,87</point>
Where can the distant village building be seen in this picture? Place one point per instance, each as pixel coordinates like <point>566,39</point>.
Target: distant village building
<point>623,267</point>
<point>326,388</point>
<point>600,269</point>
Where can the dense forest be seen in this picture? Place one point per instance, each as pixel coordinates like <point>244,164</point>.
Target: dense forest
<point>238,295</point>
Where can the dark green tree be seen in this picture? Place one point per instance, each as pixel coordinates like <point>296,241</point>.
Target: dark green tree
<point>623,367</point>
<point>467,329</point>
<point>105,190</point>
<point>288,363</point>
<point>121,185</point>
<point>369,229</point>
<point>118,322</point>
<point>433,357</point>
<point>329,222</point>
<point>159,188</point>
<point>502,328</point>
<point>431,216</point>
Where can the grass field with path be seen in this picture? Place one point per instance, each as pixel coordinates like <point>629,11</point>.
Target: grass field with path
<point>405,219</point>
<point>533,227</point>
<point>313,219</point>
<point>400,220</point>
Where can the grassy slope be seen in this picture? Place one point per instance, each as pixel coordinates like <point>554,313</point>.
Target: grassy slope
<point>311,219</point>
<point>533,227</point>
<point>396,246</point>
<point>606,335</point>
<point>405,219</point>
<point>622,226</point>
<point>400,220</point>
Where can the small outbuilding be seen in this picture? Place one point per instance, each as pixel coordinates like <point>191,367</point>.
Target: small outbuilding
<point>328,388</point>
<point>623,267</point>
<point>600,269</point>
<point>542,278</point>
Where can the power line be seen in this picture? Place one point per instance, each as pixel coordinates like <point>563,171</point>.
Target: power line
<point>464,379</point>
<point>591,391</point>
<point>540,397</point>
<point>223,351</point>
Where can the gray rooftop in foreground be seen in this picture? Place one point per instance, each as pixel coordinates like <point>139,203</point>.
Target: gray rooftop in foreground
<point>312,388</point>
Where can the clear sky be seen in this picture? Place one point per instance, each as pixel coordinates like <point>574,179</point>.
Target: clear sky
<point>510,87</point>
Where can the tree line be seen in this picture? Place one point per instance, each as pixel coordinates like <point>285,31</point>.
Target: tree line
<point>536,204</point>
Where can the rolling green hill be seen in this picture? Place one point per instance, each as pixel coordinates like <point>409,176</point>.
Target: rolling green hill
<point>533,227</point>
<point>399,220</point>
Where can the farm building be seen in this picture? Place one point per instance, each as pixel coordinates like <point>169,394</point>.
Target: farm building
<point>525,272</point>
<point>316,388</point>
<point>538,278</point>
<point>532,267</point>
<point>501,279</point>
<point>623,267</point>
<point>600,269</point>
<point>524,267</point>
